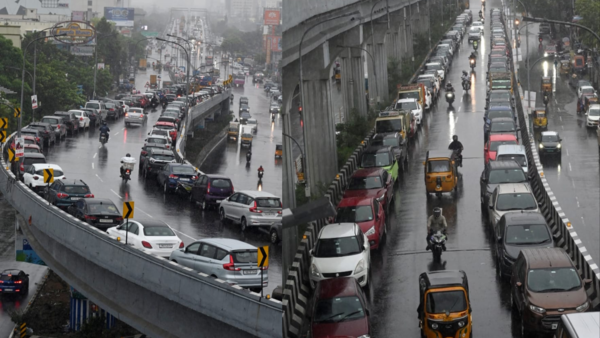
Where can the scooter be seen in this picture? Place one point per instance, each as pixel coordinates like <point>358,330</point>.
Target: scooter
<point>103,139</point>
<point>248,157</point>
<point>450,97</point>
<point>437,245</point>
<point>472,63</point>
<point>260,174</point>
<point>475,45</point>
<point>126,175</point>
<point>466,84</point>
<point>546,99</point>
<point>457,158</point>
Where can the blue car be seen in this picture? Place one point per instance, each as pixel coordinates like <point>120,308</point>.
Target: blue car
<point>14,281</point>
<point>171,173</point>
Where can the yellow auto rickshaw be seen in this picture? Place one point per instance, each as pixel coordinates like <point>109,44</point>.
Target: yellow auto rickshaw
<point>440,172</point>
<point>547,84</point>
<point>565,67</point>
<point>278,151</point>
<point>444,304</point>
<point>539,118</point>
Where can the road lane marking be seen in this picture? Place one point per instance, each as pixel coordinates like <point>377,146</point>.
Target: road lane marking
<point>562,127</point>
<point>567,149</point>
<point>560,117</point>
<point>459,108</point>
<point>99,178</point>
<point>122,129</point>
<point>95,155</point>
<point>583,220</point>
<point>570,168</point>
<point>577,199</point>
<point>145,212</point>
<point>114,192</point>
<point>92,165</point>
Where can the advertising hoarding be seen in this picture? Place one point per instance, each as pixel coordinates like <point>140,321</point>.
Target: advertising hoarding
<point>82,50</point>
<point>78,16</point>
<point>275,43</point>
<point>272,17</point>
<point>121,16</point>
<point>77,32</point>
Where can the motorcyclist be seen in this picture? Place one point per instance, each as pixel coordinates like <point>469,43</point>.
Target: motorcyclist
<point>164,100</point>
<point>154,101</point>
<point>261,170</point>
<point>475,44</point>
<point>124,159</point>
<point>456,145</point>
<point>248,155</point>
<point>449,87</point>
<point>480,14</point>
<point>464,77</point>
<point>435,223</point>
<point>104,130</point>
<point>473,56</point>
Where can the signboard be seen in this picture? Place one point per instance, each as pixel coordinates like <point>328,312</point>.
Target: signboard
<point>128,209</point>
<point>25,252</point>
<point>275,43</point>
<point>78,16</point>
<point>77,32</point>
<point>34,102</point>
<point>82,50</point>
<point>19,148</point>
<point>272,17</point>
<point>149,34</point>
<point>121,16</point>
<point>101,66</point>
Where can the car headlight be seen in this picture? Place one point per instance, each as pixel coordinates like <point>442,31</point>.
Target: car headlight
<point>541,146</point>
<point>434,326</point>
<point>314,271</point>
<point>360,267</point>
<point>371,231</point>
<point>461,324</point>
<point>558,146</point>
<point>545,54</point>
<point>583,307</point>
<point>537,309</point>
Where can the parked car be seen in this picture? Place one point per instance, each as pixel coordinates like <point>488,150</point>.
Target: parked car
<point>94,116</point>
<point>371,182</point>
<point>63,193</point>
<point>28,160</point>
<point>171,173</point>
<point>160,140</point>
<point>575,325</point>
<point>144,153</point>
<point>59,127</point>
<point>510,197</point>
<point>35,134</point>
<point>341,250</point>
<point>99,106</point>
<point>151,236</point>
<point>101,213</point>
<point>31,149</point>
<point>230,260</point>
<point>171,127</point>
<point>515,153</point>
<point>380,157</point>
<point>275,233</point>
<point>156,159</point>
<point>251,209</point>
<point>491,146</point>
<point>368,213</point>
<point>210,190</point>
<point>82,116</point>
<point>46,132</point>
<point>34,177</point>
<point>592,115</point>
<point>112,111</point>
<point>499,172</point>
<point>71,120</point>
<point>502,125</point>
<point>14,281</point>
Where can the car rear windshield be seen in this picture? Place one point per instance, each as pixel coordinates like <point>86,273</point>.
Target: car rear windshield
<point>370,160</point>
<point>356,214</point>
<point>158,231</point>
<point>516,201</point>
<point>520,159</point>
<point>501,127</point>
<point>30,161</point>
<point>507,176</point>
<point>220,183</point>
<point>553,280</point>
<point>42,128</point>
<point>163,127</point>
<point>499,113</point>
<point>183,170</point>
<point>494,145</point>
<point>136,110</point>
<point>31,150</point>
<point>93,105</point>
<point>163,157</point>
<point>103,209</point>
<point>250,256</point>
<point>50,120</point>
<point>57,173</point>
<point>157,140</point>
<point>268,202</point>
<point>29,141</point>
<point>337,247</point>
<point>527,234</point>
<point>76,189</point>
<point>408,95</point>
<point>338,309</point>
<point>9,278</point>
<point>362,183</point>
<point>451,301</point>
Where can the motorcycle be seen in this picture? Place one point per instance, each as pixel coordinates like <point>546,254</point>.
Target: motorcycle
<point>127,169</point>
<point>475,45</point>
<point>546,99</point>
<point>248,157</point>
<point>272,117</point>
<point>260,174</point>
<point>437,245</point>
<point>457,158</point>
<point>103,138</point>
<point>466,84</point>
<point>449,97</point>
<point>472,63</point>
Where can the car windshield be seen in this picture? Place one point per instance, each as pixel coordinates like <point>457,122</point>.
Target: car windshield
<point>31,150</point>
<point>588,90</point>
<point>158,231</point>
<point>77,189</point>
<point>157,140</point>
<point>438,166</point>
<point>507,176</point>
<point>163,127</point>
<point>338,309</point>
<point>337,247</point>
<point>388,126</point>
<point>553,280</point>
<point>103,209</point>
<point>495,144</point>
<point>248,256</point>
<point>549,138</point>
<point>163,157</point>
<point>500,127</point>
<point>362,183</point>
<point>499,113</point>
<point>370,160</point>
<point>109,105</point>
<point>355,214</point>
<point>520,159</point>
<point>93,105</point>
<point>183,170</point>
<point>594,112</point>
<point>410,105</point>
<point>451,301</point>
<point>408,95</point>
<point>551,48</point>
<point>527,234</point>
<point>516,201</point>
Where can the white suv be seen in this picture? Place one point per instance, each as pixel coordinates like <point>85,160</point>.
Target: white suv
<point>251,208</point>
<point>341,250</point>
<point>510,197</point>
<point>34,176</point>
<point>593,115</point>
<point>413,106</point>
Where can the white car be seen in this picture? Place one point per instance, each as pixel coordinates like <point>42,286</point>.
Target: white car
<point>435,78</point>
<point>84,120</point>
<point>341,250</point>
<point>34,176</point>
<point>510,197</point>
<point>253,124</point>
<point>161,140</point>
<point>593,115</point>
<point>586,90</point>
<point>413,106</point>
<point>444,45</point>
<point>153,237</point>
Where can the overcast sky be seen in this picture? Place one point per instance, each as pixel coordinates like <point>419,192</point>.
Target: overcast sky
<point>148,5</point>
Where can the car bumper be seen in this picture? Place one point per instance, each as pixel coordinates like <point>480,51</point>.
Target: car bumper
<point>547,151</point>
<point>591,123</point>
<point>361,278</point>
<point>81,124</point>
<point>134,120</point>
<point>258,221</point>
<point>11,289</point>
<point>542,323</point>
<point>165,253</point>
<point>213,200</point>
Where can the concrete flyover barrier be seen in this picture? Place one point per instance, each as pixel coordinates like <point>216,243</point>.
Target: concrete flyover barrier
<point>158,297</point>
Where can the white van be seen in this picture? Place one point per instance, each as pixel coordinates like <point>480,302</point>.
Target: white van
<point>513,152</point>
<point>579,325</point>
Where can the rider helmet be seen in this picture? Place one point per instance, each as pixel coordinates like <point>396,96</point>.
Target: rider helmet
<point>128,155</point>
<point>104,123</point>
<point>437,212</point>
<point>455,138</point>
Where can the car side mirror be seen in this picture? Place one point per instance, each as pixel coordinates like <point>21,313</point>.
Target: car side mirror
<point>490,206</point>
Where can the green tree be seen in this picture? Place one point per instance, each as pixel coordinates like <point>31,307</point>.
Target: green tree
<point>590,11</point>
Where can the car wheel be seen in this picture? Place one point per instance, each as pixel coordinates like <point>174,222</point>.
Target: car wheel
<point>222,216</point>
<point>244,224</point>
<point>274,237</point>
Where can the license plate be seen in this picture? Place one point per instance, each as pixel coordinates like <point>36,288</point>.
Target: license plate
<point>8,290</point>
<point>184,179</point>
<point>249,272</point>
<point>165,246</point>
<point>550,150</point>
<point>75,198</point>
<point>106,221</point>
<point>554,326</point>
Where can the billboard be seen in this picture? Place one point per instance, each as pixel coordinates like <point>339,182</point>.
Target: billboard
<point>82,50</point>
<point>78,16</point>
<point>76,32</point>
<point>272,17</point>
<point>275,43</point>
<point>122,17</point>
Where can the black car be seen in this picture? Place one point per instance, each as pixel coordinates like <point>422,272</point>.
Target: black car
<point>28,160</point>
<point>499,172</point>
<point>517,231</point>
<point>171,173</point>
<point>14,281</point>
<point>58,123</point>
<point>112,110</point>
<point>244,100</point>
<point>394,140</point>
<point>154,160</point>
<point>211,189</point>
<point>71,120</point>
<point>99,212</point>
<point>63,193</point>
<point>46,132</point>
<point>244,116</point>
<point>171,97</point>
<point>95,119</point>
<point>549,143</point>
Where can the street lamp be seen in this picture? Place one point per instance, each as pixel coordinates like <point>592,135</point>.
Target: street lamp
<point>374,70</point>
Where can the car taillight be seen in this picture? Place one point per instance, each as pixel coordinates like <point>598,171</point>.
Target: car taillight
<point>254,209</point>
<point>58,126</point>
<point>231,265</point>
<point>126,114</point>
<point>112,109</point>
<point>208,188</point>
<point>37,139</point>
<point>61,195</point>
<point>89,196</point>
<point>181,245</point>
<point>90,218</point>
<point>173,176</point>
<point>36,177</point>
<point>263,267</point>
<point>146,245</point>
<point>18,282</point>
<point>81,119</point>
<point>119,219</point>
<point>144,152</point>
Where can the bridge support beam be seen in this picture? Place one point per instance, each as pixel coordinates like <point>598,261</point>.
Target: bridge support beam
<point>377,64</point>
<point>353,71</point>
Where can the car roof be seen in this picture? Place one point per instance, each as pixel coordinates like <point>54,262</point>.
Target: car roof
<point>337,287</point>
<point>439,153</point>
<point>46,166</point>
<point>413,99</point>
<point>34,155</point>
<point>257,194</point>
<point>549,133</point>
<point>511,149</point>
<point>73,182</point>
<point>498,165</point>
<point>157,135</point>
<point>228,243</point>
<point>499,108</point>
<point>583,324</point>
<point>503,119</point>
<point>503,137</point>
<point>547,258</point>
<point>164,123</point>
<point>524,217</point>
<point>338,230</point>
<point>161,151</point>
<point>513,188</point>
<point>354,201</point>
<point>377,149</point>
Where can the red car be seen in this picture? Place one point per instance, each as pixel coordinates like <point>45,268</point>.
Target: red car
<point>371,182</point>
<point>28,140</point>
<point>339,309</point>
<point>32,148</point>
<point>142,100</point>
<point>496,140</point>
<point>170,126</point>
<point>368,213</point>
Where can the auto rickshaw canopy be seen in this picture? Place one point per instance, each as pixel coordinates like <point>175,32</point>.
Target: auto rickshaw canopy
<point>539,111</point>
<point>439,154</point>
<point>443,279</point>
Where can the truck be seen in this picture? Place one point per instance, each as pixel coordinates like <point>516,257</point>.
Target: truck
<point>167,84</point>
<point>247,136</point>
<point>234,130</point>
<point>153,82</point>
<point>142,65</point>
<point>239,80</point>
<point>416,91</point>
<point>394,120</point>
<point>208,60</point>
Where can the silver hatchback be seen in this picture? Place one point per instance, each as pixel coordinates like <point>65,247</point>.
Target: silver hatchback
<point>251,208</point>
<point>227,259</point>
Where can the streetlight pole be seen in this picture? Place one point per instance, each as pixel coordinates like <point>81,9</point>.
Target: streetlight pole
<point>187,91</point>
<point>374,70</point>
<point>306,174</point>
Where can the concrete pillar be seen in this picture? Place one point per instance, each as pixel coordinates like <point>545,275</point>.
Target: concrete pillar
<point>391,44</point>
<point>358,88</point>
<point>373,87</point>
<point>347,86</point>
<point>381,60</point>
